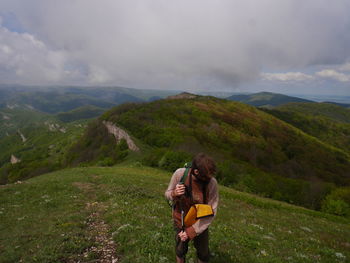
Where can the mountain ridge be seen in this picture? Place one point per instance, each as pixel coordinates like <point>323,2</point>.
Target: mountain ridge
<point>268,154</point>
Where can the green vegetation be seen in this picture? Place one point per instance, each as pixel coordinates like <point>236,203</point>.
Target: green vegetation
<point>13,119</point>
<point>45,219</point>
<point>329,110</point>
<point>265,99</point>
<point>41,149</point>
<point>99,147</point>
<point>84,112</point>
<point>58,101</point>
<point>327,122</point>
<point>66,98</point>
<point>337,202</point>
<point>256,152</point>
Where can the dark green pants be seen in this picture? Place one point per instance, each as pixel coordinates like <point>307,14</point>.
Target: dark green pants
<point>201,243</point>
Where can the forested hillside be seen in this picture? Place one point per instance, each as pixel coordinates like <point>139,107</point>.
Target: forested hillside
<point>255,151</point>
<point>327,122</point>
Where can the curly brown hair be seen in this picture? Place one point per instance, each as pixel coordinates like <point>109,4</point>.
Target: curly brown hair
<point>205,165</point>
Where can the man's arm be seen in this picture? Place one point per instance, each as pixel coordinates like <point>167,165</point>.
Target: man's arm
<point>170,193</point>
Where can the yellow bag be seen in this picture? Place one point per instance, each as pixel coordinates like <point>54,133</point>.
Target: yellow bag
<point>196,212</point>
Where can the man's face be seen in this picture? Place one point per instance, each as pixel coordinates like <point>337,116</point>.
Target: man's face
<point>199,176</point>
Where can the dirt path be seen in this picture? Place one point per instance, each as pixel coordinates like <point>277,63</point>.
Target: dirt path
<point>104,249</point>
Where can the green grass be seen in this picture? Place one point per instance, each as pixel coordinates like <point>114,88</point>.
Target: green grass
<point>44,220</point>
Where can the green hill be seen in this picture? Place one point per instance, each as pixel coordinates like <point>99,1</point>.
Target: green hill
<point>345,105</point>
<point>13,119</point>
<point>84,112</point>
<point>328,122</point>
<point>329,110</point>
<point>85,214</point>
<point>256,152</point>
<point>265,99</point>
<point>38,140</point>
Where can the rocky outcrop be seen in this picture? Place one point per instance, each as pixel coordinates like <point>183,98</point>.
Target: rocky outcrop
<point>24,139</point>
<point>5,117</point>
<point>120,134</point>
<point>55,127</point>
<point>11,107</point>
<point>14,159</point>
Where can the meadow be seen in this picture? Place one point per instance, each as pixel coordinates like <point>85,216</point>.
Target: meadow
<point>46,219</point>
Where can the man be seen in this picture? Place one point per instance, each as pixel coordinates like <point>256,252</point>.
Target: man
<point>199,187</point>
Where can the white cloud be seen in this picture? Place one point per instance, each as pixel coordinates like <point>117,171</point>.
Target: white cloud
<point>333,74</point>
<point>26,59</point>
<point>289,76</point>
<point>172,44</point>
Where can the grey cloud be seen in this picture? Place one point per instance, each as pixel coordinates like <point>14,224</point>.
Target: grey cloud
<point>185,43</point>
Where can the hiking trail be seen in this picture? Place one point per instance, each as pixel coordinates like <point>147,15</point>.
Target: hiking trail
<point>104,248</point>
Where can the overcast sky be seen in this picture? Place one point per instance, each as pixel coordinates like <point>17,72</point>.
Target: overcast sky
<point>287,46</point>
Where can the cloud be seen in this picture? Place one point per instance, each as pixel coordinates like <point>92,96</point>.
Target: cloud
<point>26,59</point>
<point>344,67</point>
<point>187,44</point>
<point>289,76</point>
<point>333,74</point>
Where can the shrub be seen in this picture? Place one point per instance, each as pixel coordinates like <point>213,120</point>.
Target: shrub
<point>172,160</point>
<point>337,202</point>
<point>227,173</point>
<point>106,162</point>
<point>335,206</point>
<point>153,157</point>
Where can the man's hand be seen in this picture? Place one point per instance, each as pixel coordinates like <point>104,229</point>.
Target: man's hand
<point>179,190</point>
<point>183,236</point>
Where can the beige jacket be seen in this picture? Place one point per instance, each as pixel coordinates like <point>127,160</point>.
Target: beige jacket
<point>212,199</point>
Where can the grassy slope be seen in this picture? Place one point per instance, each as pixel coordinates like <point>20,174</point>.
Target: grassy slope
<point>44,220</point>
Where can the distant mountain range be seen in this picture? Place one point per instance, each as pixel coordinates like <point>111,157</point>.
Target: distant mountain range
<point>66,98</point>
<point>63,99</point>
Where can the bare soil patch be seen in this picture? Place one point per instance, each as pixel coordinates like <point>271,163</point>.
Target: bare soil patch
<point>104,247</point>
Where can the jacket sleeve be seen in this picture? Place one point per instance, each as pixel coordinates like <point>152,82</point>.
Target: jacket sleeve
<point>169,193</point>
<point>203,223</point>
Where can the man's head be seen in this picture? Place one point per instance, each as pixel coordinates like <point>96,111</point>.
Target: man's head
<point>203,167</point>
